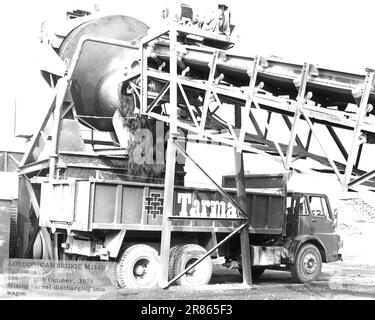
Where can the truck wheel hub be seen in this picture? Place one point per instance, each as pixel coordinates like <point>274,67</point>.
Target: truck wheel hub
<point>140,268</point>
<point>188,264</point>
<point>309,263</point>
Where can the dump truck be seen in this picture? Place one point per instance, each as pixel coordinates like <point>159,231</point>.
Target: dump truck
<point>122,222</point>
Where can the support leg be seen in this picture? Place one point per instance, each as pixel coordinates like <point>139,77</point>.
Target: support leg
<point>357,130</point>
<point>168,208</point>
<point>244,235</point>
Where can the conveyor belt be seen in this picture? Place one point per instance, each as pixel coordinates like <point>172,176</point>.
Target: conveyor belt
<point>330,87</point>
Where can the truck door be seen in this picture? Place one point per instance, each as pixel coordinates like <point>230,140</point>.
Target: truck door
<point>321,216</point>
<point>304,218</point>
<point>322,221</point>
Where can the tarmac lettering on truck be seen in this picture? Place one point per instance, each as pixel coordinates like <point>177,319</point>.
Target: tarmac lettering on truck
<point>204,208</point>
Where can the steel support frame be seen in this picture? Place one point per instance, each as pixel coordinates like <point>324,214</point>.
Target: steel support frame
<point>198,128</point>
<point>44,232</point>
<point>290,126</point>
<point>361,179</point>
<point>322,146</point>
<point>247,114</point>
<point>243,229</point>
<point>301,100</point>
<point>241,196</point>
<point>233,140</point>
<point>355,144</point>
<point>209,91</point>
<point>338,142</point>
<point>171,150</point>
<point>272,135</point>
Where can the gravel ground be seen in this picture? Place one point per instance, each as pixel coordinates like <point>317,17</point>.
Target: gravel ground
<point>339,280</point>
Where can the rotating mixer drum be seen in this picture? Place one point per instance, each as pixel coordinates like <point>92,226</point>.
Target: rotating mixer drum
<point>96,82</point>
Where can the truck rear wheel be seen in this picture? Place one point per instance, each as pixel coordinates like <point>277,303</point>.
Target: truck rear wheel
<point>172,258</point>
<point>40,247</point>
<point>185,257</point>
<point>308,264</point>
<point>138,267</point>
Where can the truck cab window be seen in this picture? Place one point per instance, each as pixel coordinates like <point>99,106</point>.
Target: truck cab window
<point>318,207</point>
<point>302,211</point>
<point>289,205</point>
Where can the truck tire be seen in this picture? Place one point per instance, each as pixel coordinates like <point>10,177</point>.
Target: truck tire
<point>40,248</point>
<point>139,267</point>
<point>308,264</point>
<point>172,258</point>
<point>256,272</point>
<point>185,257</point>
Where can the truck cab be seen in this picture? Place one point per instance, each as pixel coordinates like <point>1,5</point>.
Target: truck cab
<point>306,240</point>
<point>310,230</point>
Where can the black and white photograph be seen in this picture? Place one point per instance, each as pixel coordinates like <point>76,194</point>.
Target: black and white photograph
<point>196,151</point>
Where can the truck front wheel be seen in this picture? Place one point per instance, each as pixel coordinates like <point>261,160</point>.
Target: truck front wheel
<point>308,264</point>
<point>138,267</point>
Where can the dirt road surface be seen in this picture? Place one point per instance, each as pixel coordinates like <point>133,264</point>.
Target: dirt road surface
<point>338,281</point>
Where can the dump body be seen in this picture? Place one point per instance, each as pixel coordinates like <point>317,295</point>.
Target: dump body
<point>87,205</point>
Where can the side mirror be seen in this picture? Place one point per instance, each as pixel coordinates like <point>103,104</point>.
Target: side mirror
<point>335,214</point>
<point>335,218</point>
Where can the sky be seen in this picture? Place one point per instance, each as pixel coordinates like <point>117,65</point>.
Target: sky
<point>333,33</point>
